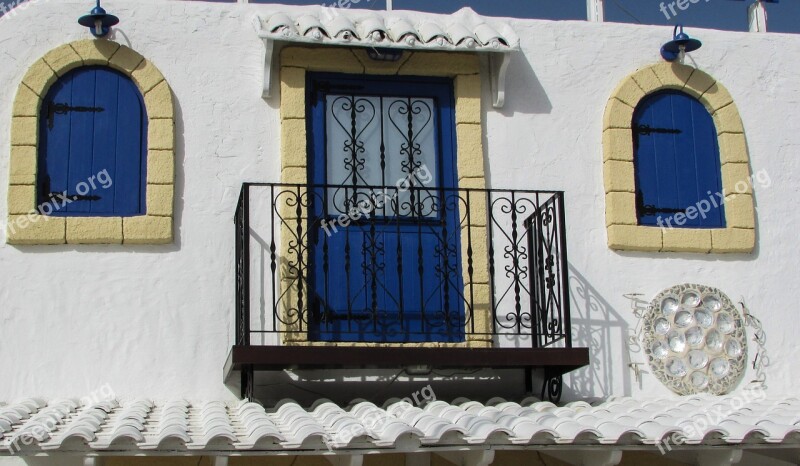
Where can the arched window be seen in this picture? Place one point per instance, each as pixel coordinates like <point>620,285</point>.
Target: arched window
<point>676,169</point>
<point>92,146</point>
<point>677,163</point>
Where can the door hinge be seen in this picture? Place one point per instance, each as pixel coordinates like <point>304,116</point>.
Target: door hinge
<point>63,109</point>
<point>646,130</point>
<point>652,210</point>
<point>72,197</point>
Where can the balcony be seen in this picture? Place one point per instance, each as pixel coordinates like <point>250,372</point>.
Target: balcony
<point>337,277</point>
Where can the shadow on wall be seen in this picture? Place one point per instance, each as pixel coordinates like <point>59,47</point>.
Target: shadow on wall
<point>601,328</point>
<point>524,92</point>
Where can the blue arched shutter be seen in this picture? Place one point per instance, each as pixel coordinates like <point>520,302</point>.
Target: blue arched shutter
<point>92,145</point>
<point>678,176</point>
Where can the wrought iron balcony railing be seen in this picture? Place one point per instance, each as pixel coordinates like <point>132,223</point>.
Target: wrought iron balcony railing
<point>481,268</point>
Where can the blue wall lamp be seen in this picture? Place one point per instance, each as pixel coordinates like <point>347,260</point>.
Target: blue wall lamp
<point>98,21</point>
<point>680,44</point>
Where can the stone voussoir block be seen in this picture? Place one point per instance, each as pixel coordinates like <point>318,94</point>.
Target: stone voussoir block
<point>470,150</point>
<point>293,143</point>
<point>94,230</point>
<point>147,230</point>
<point>126,60</point>
<point>618,145</point>
<point>21,199</point>
<point>733,148</point>
<point>24,131</point>
<point>686,240</point>
<point>618,114</point>
<point>146,76</point>
<point>619,176</point>
<point>40,77</point>
<point>159,200</point>
<point>468,98</point>
<point>646,79</point>
<point>673,75</point>
<point>95,52</point>
<point>727,120</point>
<point>621,208</point>
<point>26,103</point>
<point>629,92</point>
<point>159,101</point>
<point>699,83</point>
<point>161,134</point>
<point>440,64</point>
<point>23,161</point>
<point>634,238</point>
<point>63,59</point>
<point>35,229</point>
<point>740,211</point>
<point>736,178</point>
<point>716,97</point>
<point>733,240</point>
<point>160,167</point>
<point>293,92</point>
<point>321,59</point>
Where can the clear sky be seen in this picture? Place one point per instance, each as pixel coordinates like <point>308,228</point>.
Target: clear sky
<point>717,14</point>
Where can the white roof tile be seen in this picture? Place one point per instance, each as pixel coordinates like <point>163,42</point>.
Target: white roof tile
<point>464,30</point>
<point>141,425</point>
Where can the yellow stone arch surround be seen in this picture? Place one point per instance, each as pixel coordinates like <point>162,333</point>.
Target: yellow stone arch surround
<point>624,233</point>
<point>25,225</point>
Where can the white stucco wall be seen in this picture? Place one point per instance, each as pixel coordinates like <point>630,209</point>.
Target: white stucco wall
<point>158,321</point>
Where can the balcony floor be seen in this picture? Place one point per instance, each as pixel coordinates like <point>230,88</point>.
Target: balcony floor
<point>555,361</point>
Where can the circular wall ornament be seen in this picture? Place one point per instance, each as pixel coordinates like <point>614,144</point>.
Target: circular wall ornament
<point>694,340</point>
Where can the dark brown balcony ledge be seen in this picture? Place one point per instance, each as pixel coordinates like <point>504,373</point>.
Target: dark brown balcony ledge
<point>556,361</point>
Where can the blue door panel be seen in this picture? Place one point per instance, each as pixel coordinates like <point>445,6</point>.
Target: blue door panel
<point>105,138</point>
<point>676,160</point>
<point>93,121</point>
<point>129,193</point>
<point>392,279</point>
<point>53,171</point>
<point>81,138</point>
<point>411,303</point>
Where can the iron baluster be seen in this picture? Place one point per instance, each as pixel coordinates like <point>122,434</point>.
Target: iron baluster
<point>273,263</point>
<point>565,310</point>
<point>470,269</point>
<point>383,155</point>
<point>396,205</point>
<point>445,274</point>
<point>491,222</point>
<point>347,279</point>
<point>515,271</point>
<point>301,269</point>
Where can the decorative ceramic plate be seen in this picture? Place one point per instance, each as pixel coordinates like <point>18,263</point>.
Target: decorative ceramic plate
<point>695,341</point>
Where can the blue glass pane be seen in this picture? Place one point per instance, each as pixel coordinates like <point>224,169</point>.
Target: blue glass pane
<point>561,9</point>
<point>6,6</point>
<point>784,16</point>
<point>364,4</point>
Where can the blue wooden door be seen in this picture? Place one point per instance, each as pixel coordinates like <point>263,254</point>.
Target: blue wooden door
<point>92,145</point>
<point>385,237</point>
<point>677,163</point>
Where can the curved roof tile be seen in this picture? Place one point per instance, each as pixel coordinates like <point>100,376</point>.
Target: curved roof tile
<point>462,31</point>
<point>215,425</point>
